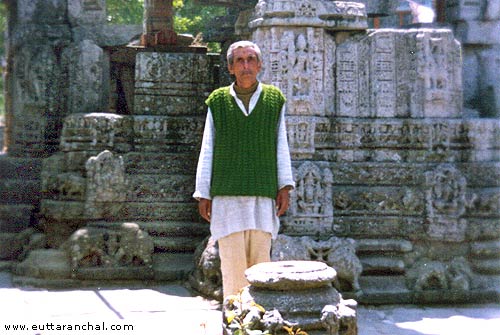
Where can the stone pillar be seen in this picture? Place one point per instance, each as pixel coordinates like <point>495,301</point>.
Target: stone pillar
<point>35,79</point>
<point>158,26</point>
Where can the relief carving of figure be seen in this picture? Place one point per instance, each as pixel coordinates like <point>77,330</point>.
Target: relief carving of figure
<point>300,70</point>
<point>446,193</point>
<point>310,194</point>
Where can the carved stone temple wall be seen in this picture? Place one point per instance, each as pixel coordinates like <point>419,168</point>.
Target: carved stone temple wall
<point>398,186</point>
<point>383,154</point>
<point>56,66</point>
<point>102,140</point>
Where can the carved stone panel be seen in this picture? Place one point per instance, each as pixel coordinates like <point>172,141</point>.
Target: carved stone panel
<point>299,62</point>
<point>173,84</point>
<point>106,183</point>
<point>96,132</point>
<point>114,252</point>
<point>445,198</point>
<point>439,71</point>
<point>399,73</point>
<point>334,15</point>
<point>311,209</point>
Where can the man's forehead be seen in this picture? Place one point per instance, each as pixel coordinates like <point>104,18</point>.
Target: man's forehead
<point>243,51</point>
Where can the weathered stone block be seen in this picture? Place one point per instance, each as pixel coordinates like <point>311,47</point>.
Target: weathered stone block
<point>173,84</point>
<point>338,15</point>
<point>101,252</point>
<point>160,211</point>
<point>359,201</point>
<point>19,191</point>
<point>489,78</point>
<point>483,228</point>
<point>373,76</point>
<point>41,11</point>
<point>86,12</point>
<point>159,188</point>
<point>63,210</point>
<point>37,106</point>
<point>151,163</point>
<point>97,131</point>
<point>492,10</point>
<point>23,168</point>
<point>478,32</point>
<point>15,217</point>
<point>462,10</point>
<point>45,264</point>
<point>105,34</point>
<point>86,66</point>
<point>378,227</point>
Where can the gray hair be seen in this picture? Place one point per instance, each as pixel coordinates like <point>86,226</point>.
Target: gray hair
<point>243,44</point>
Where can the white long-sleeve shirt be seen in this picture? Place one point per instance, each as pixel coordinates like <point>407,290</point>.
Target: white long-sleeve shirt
<point>232,214</point>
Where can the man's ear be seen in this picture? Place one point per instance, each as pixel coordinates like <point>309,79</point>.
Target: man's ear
<point>230,68</point>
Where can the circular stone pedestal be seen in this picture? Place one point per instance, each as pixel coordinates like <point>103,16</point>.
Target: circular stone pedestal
<point>290,275</point>
<point>299,290</point>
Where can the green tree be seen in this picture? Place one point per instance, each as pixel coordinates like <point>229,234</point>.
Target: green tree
<point>125,11</point>
<point>3,31</point>
<point>190,18</point>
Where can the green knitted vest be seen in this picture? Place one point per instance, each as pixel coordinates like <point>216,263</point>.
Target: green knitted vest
<point>245,147</point>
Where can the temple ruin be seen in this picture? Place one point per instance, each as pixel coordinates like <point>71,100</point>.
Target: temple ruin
<point>394,134</point>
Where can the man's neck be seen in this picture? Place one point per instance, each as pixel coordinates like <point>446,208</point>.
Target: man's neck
<point>246,84</point>
<point>245,90</point>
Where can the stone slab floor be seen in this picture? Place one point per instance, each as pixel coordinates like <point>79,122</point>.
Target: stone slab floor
<point>172,309</point>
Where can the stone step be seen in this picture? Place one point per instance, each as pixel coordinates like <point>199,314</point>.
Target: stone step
<point>486,266</point>
<point>485,249</point>
<point>177,243</point>
<point>382,265</point>
<point>178,211</point>
<point>19,191</point>
<point>160,163</point>
<point>383,245</point>
<point>172,266</point>
<point>15,217</point>
<point>393,290</point>
<point>175,228</point>
<point>50,268</point>
<point>168,236</point>
<point>19,168</point>
<point>165,229</point>
<point>10,246</point>
<point>382,289</point>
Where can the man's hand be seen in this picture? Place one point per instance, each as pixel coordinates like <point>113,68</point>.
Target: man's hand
<point>283,200</point>
<point>205,208</point>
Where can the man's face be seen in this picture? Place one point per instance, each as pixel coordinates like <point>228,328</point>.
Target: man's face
<point>246,66</point>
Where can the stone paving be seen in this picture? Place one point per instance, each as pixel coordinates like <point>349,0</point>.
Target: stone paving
<point>173,309</point>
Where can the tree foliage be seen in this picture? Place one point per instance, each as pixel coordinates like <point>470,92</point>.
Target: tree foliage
<point>189,17</point>
<point>3,27</point>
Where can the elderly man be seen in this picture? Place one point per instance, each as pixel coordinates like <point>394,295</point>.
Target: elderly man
<point>244,170</point>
